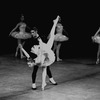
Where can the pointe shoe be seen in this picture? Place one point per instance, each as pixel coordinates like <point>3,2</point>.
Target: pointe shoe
<point>59,59</point>
<point>97,62</point>
<point>43,86</point>
<point>22,56</point>
<point>16,55</point>
<point>34,87</point>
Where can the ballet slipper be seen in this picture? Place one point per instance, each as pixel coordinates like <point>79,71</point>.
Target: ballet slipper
<point>22,57</point>
<point>97,62</point>
<point>16,54</point>
<point>59,59</point>
<point>43,86</point>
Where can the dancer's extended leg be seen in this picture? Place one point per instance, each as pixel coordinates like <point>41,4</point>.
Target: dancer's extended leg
<point>49,45</point>
<point>51,39</point>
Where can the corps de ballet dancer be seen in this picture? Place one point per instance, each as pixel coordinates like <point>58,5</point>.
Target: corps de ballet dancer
<point>22,30</point>
<point>59,38</point>
<point>96,39</point>
<point>45,57</point>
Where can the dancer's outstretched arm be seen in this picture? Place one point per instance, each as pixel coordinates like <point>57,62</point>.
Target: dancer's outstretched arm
<point>51,39</point>
<point>26,54</point>
<point>15,28</point>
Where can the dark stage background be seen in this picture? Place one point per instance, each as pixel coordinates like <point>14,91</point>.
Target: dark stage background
<point>81,20</point>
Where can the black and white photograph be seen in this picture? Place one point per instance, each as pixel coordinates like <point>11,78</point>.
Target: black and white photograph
<point>50,50</point>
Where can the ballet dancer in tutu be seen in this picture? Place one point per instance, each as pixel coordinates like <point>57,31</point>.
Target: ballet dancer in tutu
<point>20,35</point>
<point>59,38</point>
<point>96,39</point>
<point>45,57</point>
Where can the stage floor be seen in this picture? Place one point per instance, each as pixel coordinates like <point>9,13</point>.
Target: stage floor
<point>78,79</point>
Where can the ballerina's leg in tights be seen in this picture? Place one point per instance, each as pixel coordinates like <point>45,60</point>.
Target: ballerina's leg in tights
<point>47,46</point>
<point>18,48</point>
<point>57,42</point>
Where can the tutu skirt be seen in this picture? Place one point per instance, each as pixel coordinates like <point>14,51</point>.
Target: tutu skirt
<point>96,39</point>
<point>45,59</point>
<point>60,37</point>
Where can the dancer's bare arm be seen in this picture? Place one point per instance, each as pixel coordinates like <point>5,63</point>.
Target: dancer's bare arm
<point>14,28</point>
<point>26,54</point>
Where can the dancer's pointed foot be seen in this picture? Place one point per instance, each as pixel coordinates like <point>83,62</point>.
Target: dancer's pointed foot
<point>15,54</point>
<point>97,62</point>
<point>22,57</point>
<point>43,86</point>
<point>58,59</point>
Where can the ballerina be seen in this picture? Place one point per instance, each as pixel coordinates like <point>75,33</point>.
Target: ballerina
<point>59,38</point>
<point>45,55</point>
<point>22,34</point>
<point>96,39</point>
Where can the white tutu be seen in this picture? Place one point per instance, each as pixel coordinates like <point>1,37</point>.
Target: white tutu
<point>45,59</point>
<point>21,35</point>
<point>60,37</point>
<point>96,39</point>
<point>45,56</point>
